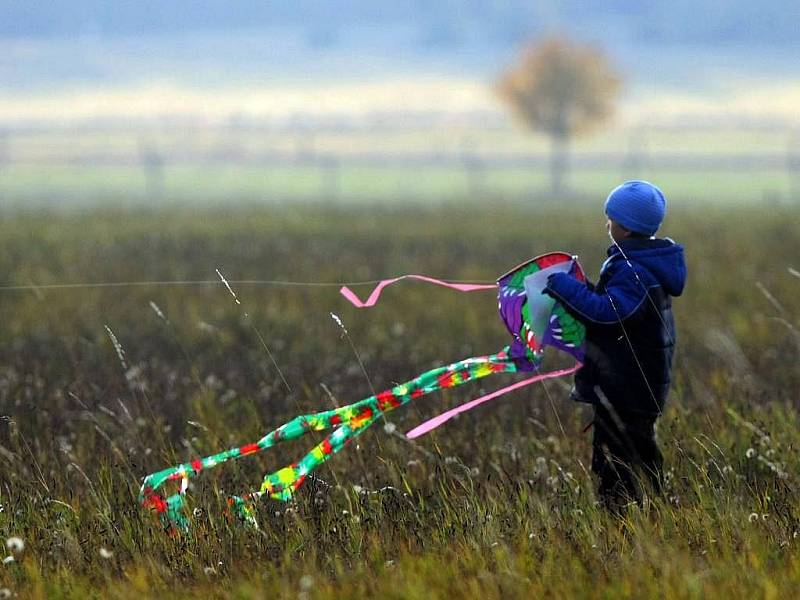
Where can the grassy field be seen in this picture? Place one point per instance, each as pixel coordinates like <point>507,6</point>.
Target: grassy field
<point>58,187</point>
<point>496,504</point>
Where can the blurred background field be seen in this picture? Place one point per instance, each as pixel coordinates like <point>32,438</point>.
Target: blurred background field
<point>316,143</point>
<point>222,165</point>
<point>384,102</point>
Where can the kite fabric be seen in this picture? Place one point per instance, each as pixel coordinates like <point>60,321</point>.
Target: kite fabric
<point>376,293</point>
<point>435,422</point>
<point>533,319</point>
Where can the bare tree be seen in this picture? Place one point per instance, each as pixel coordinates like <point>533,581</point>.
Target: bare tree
<point>563,89</point>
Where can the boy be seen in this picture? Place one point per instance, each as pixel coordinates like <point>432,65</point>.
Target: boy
<point>630,340</point>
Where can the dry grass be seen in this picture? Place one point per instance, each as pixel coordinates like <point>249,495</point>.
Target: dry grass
<point>496,504</point>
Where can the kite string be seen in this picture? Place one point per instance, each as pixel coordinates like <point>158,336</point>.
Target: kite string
<point>202,282</point>
<point>644,287</point>
<point>549,375</point>
<point>622,325</point>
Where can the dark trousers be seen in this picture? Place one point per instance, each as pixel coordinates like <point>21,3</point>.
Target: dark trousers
<point>625,455</point>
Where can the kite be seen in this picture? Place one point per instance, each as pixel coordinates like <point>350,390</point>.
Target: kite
<point>534,320</point>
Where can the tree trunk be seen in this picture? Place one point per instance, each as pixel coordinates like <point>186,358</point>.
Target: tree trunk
<point>559,163</point>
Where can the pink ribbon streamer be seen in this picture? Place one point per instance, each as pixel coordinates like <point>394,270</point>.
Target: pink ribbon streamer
<point>433,423</point>
<point>373,297</point>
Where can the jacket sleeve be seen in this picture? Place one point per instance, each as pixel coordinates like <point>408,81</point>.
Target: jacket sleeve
<point>624,294</point>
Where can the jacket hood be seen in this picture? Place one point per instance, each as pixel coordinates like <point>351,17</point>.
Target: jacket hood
<point>662,258</point>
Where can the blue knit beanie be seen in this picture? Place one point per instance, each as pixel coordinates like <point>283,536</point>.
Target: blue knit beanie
<point>638,206</point>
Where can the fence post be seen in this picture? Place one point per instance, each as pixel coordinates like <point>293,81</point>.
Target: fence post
<point>793,165</point>
<point>635,161</point>
<point>474,168</point>
<point>152,163</point>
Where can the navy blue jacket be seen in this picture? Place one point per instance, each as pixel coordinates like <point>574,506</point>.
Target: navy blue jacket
<point>630,330</point>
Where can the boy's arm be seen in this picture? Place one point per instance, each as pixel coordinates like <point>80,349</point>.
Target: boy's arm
<point>623,296</point>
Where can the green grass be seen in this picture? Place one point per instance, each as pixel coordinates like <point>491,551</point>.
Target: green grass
<point>496,504</point>
<point>94,186</point>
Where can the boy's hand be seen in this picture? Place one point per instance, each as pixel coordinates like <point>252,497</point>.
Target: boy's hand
<point>556,276</point>
<point>553,281</point>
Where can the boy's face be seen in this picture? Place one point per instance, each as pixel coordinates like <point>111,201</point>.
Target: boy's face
<point>616,231</point>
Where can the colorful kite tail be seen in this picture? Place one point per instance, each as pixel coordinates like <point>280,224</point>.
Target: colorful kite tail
<point>376,292</point>
<point>347,423</point>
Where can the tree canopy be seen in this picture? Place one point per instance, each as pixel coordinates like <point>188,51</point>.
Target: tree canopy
<point>561,88</point>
